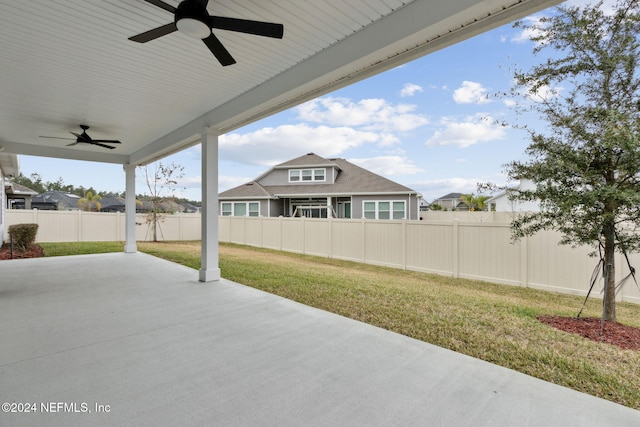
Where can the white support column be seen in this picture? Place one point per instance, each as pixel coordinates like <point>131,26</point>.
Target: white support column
<point>209,270</point>
<point>130,209</point>
<point>329,207</point>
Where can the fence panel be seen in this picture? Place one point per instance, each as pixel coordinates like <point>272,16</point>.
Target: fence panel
<point>430,247</point>
<point>486,253</point>
<point>347,239</point>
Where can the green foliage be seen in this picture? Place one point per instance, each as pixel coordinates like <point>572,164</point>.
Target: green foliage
<point>34,183</point>
<point>586,160</point>
<point>475,203</point>
<point>435,207</point>
<point>90,202</point>
<point>23,235</point>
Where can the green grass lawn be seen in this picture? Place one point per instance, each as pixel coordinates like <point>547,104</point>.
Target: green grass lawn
<point>496,323</point>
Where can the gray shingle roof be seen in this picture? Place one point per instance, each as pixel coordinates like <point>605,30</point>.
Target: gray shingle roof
<point>310,159</point>
<point>351,179</point>
<point>450,196</point>
<point>21,189</point>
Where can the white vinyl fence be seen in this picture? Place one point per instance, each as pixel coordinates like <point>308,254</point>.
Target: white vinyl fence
<point>474,247</point>
<point>79,226</point>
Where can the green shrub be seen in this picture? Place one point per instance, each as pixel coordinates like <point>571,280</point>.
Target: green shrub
<point>23,235</point>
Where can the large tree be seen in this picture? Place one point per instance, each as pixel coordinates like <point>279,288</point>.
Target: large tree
<point>586,159</point>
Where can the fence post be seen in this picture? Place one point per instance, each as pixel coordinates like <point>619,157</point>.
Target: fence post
<point>331,237</point>
<point>304,235</point>
<point>404,244</point>
<point>79,226</point>
<point>456,251</point>
<point>524,262</point>
<point>364,239</point>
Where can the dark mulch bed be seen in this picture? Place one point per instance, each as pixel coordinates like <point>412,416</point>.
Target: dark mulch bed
<point>626,337</point>
<point>33,251</point>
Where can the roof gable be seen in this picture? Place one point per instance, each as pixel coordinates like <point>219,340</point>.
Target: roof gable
<point>351,179</point>
<point>307,160</point>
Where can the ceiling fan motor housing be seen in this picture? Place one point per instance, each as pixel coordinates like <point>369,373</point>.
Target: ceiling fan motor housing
<point>191,19</point>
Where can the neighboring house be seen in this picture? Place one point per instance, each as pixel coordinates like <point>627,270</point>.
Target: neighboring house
<point>315,187</point>
<point>8,168</point>
<point>501,202</point>
<point>451,202</point>
<point>19,196</point>
<point>110,203</point>
<point>55,201</point>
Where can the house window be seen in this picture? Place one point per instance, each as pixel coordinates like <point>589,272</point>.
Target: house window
<point>307,175</point>
<point>240,208</point>
<point>398,210</point>
<point>383,210</point>
<point>254,209</point>
<point>369,210</point>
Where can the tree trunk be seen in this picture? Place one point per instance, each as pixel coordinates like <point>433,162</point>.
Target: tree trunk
<point>609,303</point>
<point>155,225</point>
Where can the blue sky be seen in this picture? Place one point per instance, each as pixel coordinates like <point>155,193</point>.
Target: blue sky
<point>429,125</point>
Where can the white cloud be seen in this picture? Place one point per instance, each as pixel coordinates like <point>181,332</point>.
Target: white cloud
<point>388,165</point>
<point>608,6</point>
<point>543,93</point>
<point>227,182</point>
<point>470,131</point>
<point>525,34</point>
<point>410,89</point>
<point>471,93</point>
<point>269,146</point>
<point>372,114</point>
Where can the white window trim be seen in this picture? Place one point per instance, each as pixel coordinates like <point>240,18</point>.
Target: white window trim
<point>313,175</point>
<point>233,207</point>
<point>391,202</point>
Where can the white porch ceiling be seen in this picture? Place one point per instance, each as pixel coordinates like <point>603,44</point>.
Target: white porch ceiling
<point>69,62</point>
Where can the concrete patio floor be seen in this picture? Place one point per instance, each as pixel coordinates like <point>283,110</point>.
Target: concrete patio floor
<point>130,339</point>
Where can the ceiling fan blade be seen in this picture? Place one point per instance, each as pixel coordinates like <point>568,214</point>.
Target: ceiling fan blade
<point>93,142</point>
<point>72,144</point>
<point>219,51</point>
<point>77,135</point>
<point>147,36</point>
<point>162,5</point>
<point>56,137</point>
<point>108,141</point>
<point>266,29</point>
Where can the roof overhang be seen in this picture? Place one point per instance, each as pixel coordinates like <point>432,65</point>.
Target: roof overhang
<point>9,164</point>
<point>159,97</point>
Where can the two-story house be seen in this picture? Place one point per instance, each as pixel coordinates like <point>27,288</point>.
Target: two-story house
<point>315,187</point>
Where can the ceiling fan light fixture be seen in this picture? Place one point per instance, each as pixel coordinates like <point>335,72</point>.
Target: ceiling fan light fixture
<point>193,28</point>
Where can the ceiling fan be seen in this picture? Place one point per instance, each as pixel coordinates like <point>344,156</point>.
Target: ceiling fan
<point>191,18</point>
<point>84,138</point>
